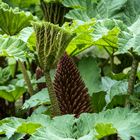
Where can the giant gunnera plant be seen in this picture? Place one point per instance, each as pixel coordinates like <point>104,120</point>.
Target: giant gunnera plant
<point>52,41</point>
<point>68,93</point>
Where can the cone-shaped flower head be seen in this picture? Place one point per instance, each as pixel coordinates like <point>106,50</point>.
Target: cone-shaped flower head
<point>70,89</point>
<point>54,11</point>
<point>52,41</point>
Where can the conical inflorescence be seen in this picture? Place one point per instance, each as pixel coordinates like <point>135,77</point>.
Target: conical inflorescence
<point>70,90</point>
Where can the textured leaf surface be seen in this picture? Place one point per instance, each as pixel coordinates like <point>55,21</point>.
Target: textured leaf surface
<point>87,127</point>
<point>92,126</point>
<point>12,21</point>
<point>12,47</point>
<point>11,92</point>
<point>24,4</point>
<point>130,14</point>
<point>129,40</point>
<point>39,98</point>
<point>52,41</point>
<point>113,88</point>
<point>83,39</point>
<point>90,73</point>
<point>85,10</point>
<point>4,75</point>
<point>8,126</point>
<point>105,33</point>
<point>104,130</point>
<point>28,127</point>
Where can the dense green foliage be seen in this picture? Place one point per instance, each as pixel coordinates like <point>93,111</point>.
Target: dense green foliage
<point>103,39</point>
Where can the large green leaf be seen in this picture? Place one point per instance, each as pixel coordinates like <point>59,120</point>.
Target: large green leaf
<point>92,126</point>
<point>106,34</point>
<point>13,47</point>
<point>113,88</point>
<point>4,75</point>
<point>56,129</point>
<point>102,33</point>
<point>130,12</point>
<point>28,127</point>
<point>113,9</point>
<point>23,4</point>
<point>28,36</point>
<point>123,120</point>
<point>16,128</point>
<point>98,101</point>
<point>13,91</point>
<point>90,73</point>
<point>42,119</point>
<point>125,10</point>
<point>12,21</point>
<point>104,130</point>
<point>85,10</point>
<point>133,45</point>
<point>39,98</point>
<point>9,126</point>
<point>129,40</point>
<point>83,39</point>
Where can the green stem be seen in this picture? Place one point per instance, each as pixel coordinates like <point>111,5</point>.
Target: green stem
<point>26,77</point>
<point>55,110</point>
<point>132,78</point>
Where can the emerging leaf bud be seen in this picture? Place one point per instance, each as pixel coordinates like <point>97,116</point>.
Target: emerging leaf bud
<point>52,41</point>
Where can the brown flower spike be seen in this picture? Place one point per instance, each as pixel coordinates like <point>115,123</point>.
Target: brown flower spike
<point>70,90</point>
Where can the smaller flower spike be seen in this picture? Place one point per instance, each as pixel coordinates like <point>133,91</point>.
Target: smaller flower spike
<point>70,90</point>
<point>39,74</point>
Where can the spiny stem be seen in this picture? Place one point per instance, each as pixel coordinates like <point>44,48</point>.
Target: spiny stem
<point>26,77</point>
<point>132,78</point>
<point>55,110</point>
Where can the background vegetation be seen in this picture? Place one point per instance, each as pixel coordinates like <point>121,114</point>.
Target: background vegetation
<point>69,69</point>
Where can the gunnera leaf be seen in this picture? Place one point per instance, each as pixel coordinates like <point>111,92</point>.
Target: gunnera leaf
<point>70,89</point>
<point>120,121</point>
<point>54,11</point>
<point>12,21</point>
<point>52,41</point>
